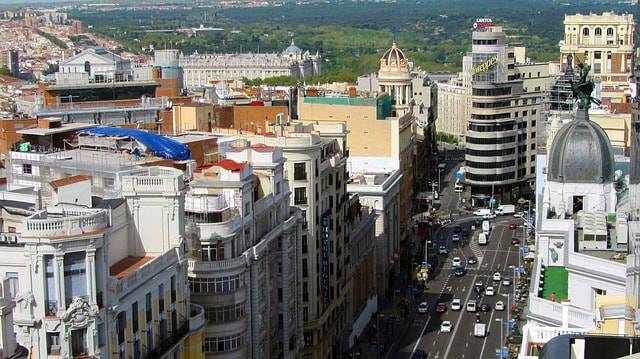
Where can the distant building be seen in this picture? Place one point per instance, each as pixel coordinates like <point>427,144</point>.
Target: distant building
<point>76,27</point>
<point>11,60</point>
<point>605,41</point>
<point>454,102</point>
<point>200,70</point>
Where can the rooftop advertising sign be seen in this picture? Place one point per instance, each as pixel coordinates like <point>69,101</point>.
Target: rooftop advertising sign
<point>483,22</point>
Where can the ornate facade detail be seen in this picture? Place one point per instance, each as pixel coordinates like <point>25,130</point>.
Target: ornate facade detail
<point>79,313</point>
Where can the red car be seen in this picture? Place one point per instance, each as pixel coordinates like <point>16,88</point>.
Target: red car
<point>441,308</point>
<point>515,241</point>
<point>512,226</point>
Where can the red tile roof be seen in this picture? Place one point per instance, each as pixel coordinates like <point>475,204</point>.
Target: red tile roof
<point>68,180</point>
<point>230,165</point>
<point>128,265</point>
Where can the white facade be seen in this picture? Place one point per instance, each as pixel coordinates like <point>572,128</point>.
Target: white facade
<point>99,64</point>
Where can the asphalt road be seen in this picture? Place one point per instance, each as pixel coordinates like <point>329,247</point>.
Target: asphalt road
<point>424,333</point>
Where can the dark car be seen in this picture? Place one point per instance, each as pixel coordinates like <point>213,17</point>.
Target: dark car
<point>419,354</point>
<point>515,241</point>
<point>472,260</point>
<point>478,287</point>
<point>484,307</point>
<point>457,229</point>
<point>441,308</point>
<point>465,232</point>
<point>459,271</point>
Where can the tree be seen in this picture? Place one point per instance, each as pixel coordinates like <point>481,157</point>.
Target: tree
<point>4,71</point>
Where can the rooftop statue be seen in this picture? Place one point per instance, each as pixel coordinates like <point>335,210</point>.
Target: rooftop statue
<point>583,88</point>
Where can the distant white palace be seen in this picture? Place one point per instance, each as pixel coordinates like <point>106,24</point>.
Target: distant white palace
<point>200,69</point>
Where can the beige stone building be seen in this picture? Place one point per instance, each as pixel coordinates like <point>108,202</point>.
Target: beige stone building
<point>191,117</point>
<point>604,41</point>
<point>454,101</point>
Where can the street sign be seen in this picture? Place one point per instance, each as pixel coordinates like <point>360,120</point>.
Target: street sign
<point>522,270</point>
<point>502,353</point>
<point>508,325</point>
<point>525,250</point>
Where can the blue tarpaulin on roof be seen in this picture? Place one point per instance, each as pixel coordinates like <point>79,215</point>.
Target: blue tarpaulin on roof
<point>162,146</point>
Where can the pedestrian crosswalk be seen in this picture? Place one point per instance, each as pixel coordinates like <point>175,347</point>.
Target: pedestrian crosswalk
<point>475,248</point>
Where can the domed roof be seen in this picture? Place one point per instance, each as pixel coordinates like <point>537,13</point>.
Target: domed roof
<point>293,49</point>
<point>394,58</point>
<point>581,153</point>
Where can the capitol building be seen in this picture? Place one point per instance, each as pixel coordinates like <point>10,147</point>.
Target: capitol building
<point>200,69</point>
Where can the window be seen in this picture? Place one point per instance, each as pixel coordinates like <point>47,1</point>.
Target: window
<point>122,328</point>
<point>208,252</point>
<point>134,317</point>
<point>222,344</point>
<point>108,182</point>
<point>300,171</point>
<point>173,289</point>
<point>247,209</point>
<point>51,302</point>
<point>305,268</point>
<point>101,335</point>
<point>27,169</point>
<point>585,31</point>
<point>225,314</point>
<point>160,299</point>
<point>278,188</point>
<point>75,281</point>
<point>300,195</point>
<point>598,31</point>
<point>79,342</point>
<point>148,312</point>
<point>216,285</point>
<point>53,343</point>
<point>305,248</point>
<point>12,281</point>
<point>610,31</point>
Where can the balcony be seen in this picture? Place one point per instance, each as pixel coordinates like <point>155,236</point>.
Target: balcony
<point>263,204</point>
<point>66,223</point>
<point>197,320</point>
<point>205,204</point>
<point>225,229</point>
<point>146,273</point>
<point>605,267</point>
<point>202,266</point>
<point>153,180</point>
<point>551,312</point>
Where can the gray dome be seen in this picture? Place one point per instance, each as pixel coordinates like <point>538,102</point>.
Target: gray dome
<point>581,153</point>
<point>293,49</point>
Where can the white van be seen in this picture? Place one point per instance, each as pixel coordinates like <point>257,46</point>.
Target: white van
<point>471,306</point>
<point>486,227</point>
<point>483,239</point>
<point>482,212</point>
<point>506,209</point>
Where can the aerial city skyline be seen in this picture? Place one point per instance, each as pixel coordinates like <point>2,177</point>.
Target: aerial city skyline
<point>319,180</point>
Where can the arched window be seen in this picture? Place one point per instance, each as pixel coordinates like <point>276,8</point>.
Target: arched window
<point>598,31</point>
<point>87,67</point>
<point>585,31</point>
<point>610,31</point>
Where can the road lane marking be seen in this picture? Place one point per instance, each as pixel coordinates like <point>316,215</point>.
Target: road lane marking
<point>426,324</point>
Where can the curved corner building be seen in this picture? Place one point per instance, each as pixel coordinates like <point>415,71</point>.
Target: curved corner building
<point>500,137</point>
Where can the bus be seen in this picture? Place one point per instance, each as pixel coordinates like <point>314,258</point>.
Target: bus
<point>459,188</point>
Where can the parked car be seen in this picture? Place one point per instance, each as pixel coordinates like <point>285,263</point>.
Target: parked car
<point>497,277</point>
<point>442,250</point>
<point>489,291</point>
<point>484,307</point>
<point>423,308</point>
<point>506,281</point>
<point>472,260</point>
<point>456,261</point>
<point>499,305</point>
<point>445,327</point>
<point>441,308</point>
<point>455,304</point>
<point>419,354</point>
<point>512,226</point>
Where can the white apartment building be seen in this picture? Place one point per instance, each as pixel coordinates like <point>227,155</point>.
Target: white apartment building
<point>200,69</point>
<point>454,102</point>
<point>587,241</point>
<point>245,255</point>
<point>106,280</point>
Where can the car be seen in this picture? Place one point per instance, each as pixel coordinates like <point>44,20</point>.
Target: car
<point>484,307</point>
<point>423,308</point>
<point>512,226</point>
<point>497,277</point>
<point>456,261</point>
<point>442,250</point>
<point>445,327</point>
<point>441,308</point>
<point>455,304</point>
<point>457,230</point>
<point>471,306</point>
<point>515,241</point>
<point>472,260</point>
<point>455,238</point>
<point>506,281</point>
<point>478,287</point>
<point>489,216</point>
<point>419,354</point>
<point>465,232</point>
<point>459,271</point>
<point>499,305</point>
<point>518,215</point>
<point>489,291</point>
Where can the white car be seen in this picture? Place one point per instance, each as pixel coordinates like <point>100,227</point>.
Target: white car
<point>499,305</point>
<point>518,215</point>
<point>455,304</point>
<point>445,327</point>
<point>489,291</point>
<point>497,277</point>
<point>456,261</point>
<point>506,281</point>
<point>423,308</point>
<point>471,306</point>
<point>489,216</point>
